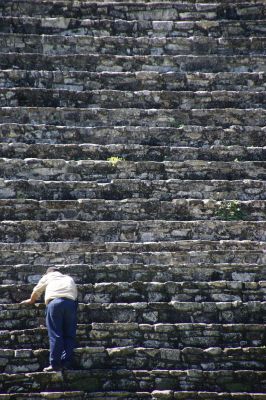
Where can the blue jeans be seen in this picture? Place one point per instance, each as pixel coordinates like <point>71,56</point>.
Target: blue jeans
<point>61,322</point>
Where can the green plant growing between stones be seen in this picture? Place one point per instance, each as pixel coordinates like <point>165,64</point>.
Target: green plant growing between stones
<point>230,211</point>
<point>20,195</point>
<point>178,125</point>
<point>114,160</point>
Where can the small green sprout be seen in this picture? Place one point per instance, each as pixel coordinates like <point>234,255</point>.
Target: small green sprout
<point>114,160</point>
<point>230,211</point>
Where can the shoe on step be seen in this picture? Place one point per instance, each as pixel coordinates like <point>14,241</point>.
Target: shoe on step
<point>52,369</point>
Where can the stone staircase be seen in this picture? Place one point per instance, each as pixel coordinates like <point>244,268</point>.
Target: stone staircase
<point>132,145</point>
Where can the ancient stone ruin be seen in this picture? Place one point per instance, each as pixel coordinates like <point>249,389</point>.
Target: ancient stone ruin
<point>133,158</point>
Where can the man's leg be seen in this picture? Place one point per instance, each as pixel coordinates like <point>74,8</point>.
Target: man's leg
<point>54,323</point>
<point>69,332</point>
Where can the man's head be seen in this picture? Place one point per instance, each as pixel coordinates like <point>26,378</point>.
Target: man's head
<point>52,269</point>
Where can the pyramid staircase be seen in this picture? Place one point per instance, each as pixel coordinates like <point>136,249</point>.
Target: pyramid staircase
<point>132,147</point>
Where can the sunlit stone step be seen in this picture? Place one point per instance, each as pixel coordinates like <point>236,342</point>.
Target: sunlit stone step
<point>143,10</point>
<point>130,231</point>
<point>113,63</point>
<point>18,316</point>
<point>132,152</point>
<point>119,45</point>
<point>141,80</point>
<point>131,358</point>
<point>137,209</point>
<point>121,27</point>
<point>104,117</point>
<point>105,171</point>
<point>119,189</point>
<point>164,253</point>
<point>184,136</point>
<point>137,291</point>
<point>171,336</point>
<point>144,99</point>
<point>139,271</point>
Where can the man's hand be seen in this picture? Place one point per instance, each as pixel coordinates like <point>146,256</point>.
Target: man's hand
<point>28,301</point>
<point>31,300</point>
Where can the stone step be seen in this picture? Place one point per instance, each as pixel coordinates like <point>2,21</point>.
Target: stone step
<point>150,253</point>
<point>130,272</point>
<point>141,80</point>
<point>154,395</point>
<point>132,152</point>
<point>101,396</point>
<point>129,10</point>
<point>19,316</point>
<point>125,292</point>
<point>130,231</point>
<point>109,248</point>
<point>170,395</point>
<point>184,136</point>
<point>171,336</point>
<point>130,358</point>
<point>145,358</point>
<point>103,117</point>
<point>13,257</point>
<point>119,189</point>
<point>137,209</point>
<point>77,395</point>
<point>105,171</point>
<point>108,395</point>
<point>128,46</point>
<point>114,63</point>
<point>144,99</point>
<point>135,28</point>
<point>136,380</point>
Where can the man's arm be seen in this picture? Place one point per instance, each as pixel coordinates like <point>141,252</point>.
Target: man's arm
<point>31,300</point>
<point>37,291</point>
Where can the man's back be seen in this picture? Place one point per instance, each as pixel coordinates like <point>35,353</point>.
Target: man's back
<point>56,285</point>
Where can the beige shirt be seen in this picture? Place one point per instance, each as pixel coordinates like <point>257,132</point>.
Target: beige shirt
<point>56,285</point>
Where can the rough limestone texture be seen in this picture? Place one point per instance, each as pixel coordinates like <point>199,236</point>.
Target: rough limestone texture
<point>132,157</point>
